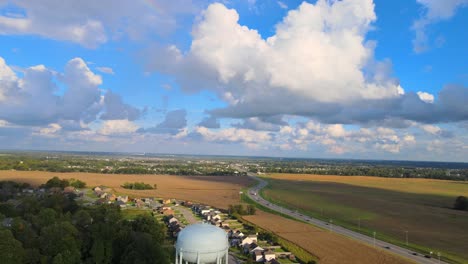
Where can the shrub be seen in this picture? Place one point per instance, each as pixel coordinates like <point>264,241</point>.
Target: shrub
<point>461,203</point>
<point>138,186</point>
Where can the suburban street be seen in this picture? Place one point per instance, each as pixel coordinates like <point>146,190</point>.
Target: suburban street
<point>253,194</point>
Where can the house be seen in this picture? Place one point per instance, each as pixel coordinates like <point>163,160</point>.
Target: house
<point>121,204</point>
<point>258,256</point>
<point>268,255</point>
<point>173,220</point>
<point>112,197</point>
<point>168,212</point>
<point>238,234</point>
<point>7,222</point>
<point>122,198</point>
<point>205,211</point>
<point>69,189</point>
<point>167,201</point>
<point>103,195</point>
<point>249,240</point>
<point>257,248</point>
<point>97,189</point>
<point>248,247</point>
<point>101,201</point>
<point>29,191</point>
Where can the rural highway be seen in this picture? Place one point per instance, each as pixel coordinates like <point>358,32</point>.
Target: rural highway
<point>253,193</point>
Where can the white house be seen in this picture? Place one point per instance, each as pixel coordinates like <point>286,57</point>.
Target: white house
<point>249,240</point>
<point>269,255</point>
<point>122,199</point>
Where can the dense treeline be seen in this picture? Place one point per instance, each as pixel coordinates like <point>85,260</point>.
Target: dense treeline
<point>53,228</point>
<point>112,166</point>
<point>138,186</point>
<point>240,209</point>
<point>368,170</point>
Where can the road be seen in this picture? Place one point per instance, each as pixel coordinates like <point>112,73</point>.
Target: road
<point>253,194</point>
<point>188,215</point>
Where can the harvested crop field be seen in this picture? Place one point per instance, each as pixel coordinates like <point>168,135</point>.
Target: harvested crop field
<point>407,185</point>
<point>218,191</point>
<point>388,206</point>
<point>330,248</point>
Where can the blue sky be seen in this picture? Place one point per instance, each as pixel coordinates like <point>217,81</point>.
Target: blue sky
<point>320,79</point>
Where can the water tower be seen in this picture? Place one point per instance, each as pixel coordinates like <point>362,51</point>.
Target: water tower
<point>202,244</point>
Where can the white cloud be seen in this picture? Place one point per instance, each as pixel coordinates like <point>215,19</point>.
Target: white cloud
<point>282,5</point>
<point>92,23</point>
<point>300,63</point>
<point>426,97</point>
<point>250,138</point>
<point>431,129</point>
<point>32,98</point>
<point>111,127</point>
<point>435,10</point>
<point>3,123</point>
<point>312,45</point>
<point>107,70</point>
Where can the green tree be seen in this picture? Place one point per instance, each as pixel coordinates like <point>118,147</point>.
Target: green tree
<point>143,248</point>
<point>11,250</point>
<point>60,238</point>
<point>77,183</point>
<point>105,226</point>
<point>45,217</point>
<point>56,182</point>
<point>251,209</point>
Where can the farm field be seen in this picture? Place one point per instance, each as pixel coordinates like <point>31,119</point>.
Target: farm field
<point>388,206</point>
<point>330,248</point>
<point>218,191</point>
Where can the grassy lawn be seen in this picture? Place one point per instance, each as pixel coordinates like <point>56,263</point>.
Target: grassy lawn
<point>132,213</point>
<point>431,224</point>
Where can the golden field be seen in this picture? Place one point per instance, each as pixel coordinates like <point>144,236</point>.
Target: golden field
<point>218,191</point>
<point>329,247</point>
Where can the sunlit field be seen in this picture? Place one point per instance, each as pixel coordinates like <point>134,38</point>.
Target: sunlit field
<point>219,191</point>
<point>329,247</point>
<point>393,208</point>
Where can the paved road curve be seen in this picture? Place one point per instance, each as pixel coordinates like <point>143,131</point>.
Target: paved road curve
<point>253,193</point>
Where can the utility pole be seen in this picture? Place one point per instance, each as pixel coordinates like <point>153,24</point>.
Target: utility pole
<point>438,255</point>
<point>331,225</point>
<point>374,237</point>
<point>359,224</point>
<point>406,232</point>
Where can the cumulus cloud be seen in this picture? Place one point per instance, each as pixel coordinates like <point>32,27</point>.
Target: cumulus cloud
<point>273,123</point>
<point>337,139</point>
<point>32,98</point>
<point>115,108</point>
<point>174,122</point>
<point>107,70</point>
<point>434,11</point>
<point>209,122</point>
<point>92,23</point>
<point>250,138</point>
<point>317,64</point>
<point>123,126</point>
<point>426,97</point>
